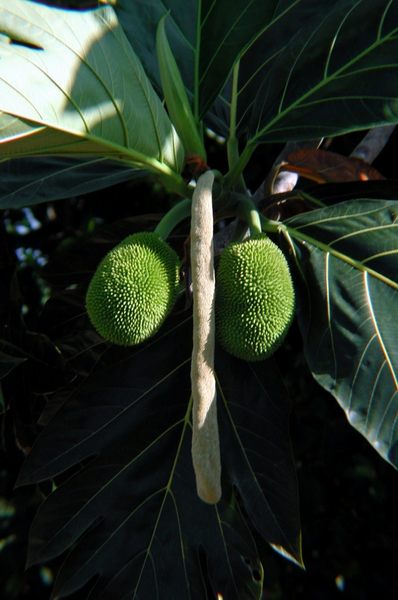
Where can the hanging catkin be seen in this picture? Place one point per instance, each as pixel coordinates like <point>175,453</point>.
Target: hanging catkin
<point>205,438</point>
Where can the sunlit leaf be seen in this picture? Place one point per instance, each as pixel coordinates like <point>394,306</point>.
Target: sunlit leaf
<point>347,311</point>
<point>175,96</point>
<point>71,84</point>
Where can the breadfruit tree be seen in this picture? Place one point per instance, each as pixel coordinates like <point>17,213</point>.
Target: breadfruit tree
<point>164,454</point>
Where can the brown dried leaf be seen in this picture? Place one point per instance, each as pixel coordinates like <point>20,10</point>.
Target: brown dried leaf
<point>323,166</point>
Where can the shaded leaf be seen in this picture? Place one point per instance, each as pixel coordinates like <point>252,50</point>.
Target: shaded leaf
<point>305,68</point>
<point>257,453</point>
<point>129,513</point>
<point>29,181</point>
<point>348,309</point>
<point>207,38</point>
<point>227,31</point>
<point>333,76</point>
<point>41,370</point>
<point>183,34</point>
<point>66,267</point>
<point>8,363</point>
<point>341,192</point>
<point>99,103</point>
<point>281,206</point>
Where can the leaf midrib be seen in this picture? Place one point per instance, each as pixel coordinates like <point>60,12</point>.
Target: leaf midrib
<point>360,266</point>
<point>117,416</point>
<point>137,158</point>
<point>167,492</point>
<point>255,480</point>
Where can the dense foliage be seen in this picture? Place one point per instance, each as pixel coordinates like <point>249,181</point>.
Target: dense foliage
<point>91,154</point>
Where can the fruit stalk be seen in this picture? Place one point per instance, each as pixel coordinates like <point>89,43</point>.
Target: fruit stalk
<point>173,217</point>
<point>248,212</point>
<point>205,437</point>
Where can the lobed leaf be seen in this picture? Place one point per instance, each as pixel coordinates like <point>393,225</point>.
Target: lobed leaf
<point>347,306</point>
<point>332,76</point>
<point>306,69</point>
<point>128,513</point>
<point>99,103</point>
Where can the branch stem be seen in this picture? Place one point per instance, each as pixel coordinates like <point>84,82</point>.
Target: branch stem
<point>249,213</point>
<point>373,143</point>
<point>235,172</point>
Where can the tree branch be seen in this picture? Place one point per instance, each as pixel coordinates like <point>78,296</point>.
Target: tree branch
<point>373,143</point>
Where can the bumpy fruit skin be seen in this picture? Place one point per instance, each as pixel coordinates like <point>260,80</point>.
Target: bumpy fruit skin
<point>254,298</point>
<point>133,289</point>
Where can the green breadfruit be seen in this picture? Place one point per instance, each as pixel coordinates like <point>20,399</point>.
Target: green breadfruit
<point>133,289</point>
<point>254,298</point>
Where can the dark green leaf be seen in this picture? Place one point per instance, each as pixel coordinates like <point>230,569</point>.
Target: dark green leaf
<point>257,453</point>
<point>306,69</point>
<point>333,76</point>
<point>207,38</point>
<point>333,193</point>
<point>8,363</point>
<point>28,181</point>
<point>282,206</point>
<point>348,308</point>
<point>184,38</point>
<point>140,28</point>
<point>129,514</point>
<point>227,30</point>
